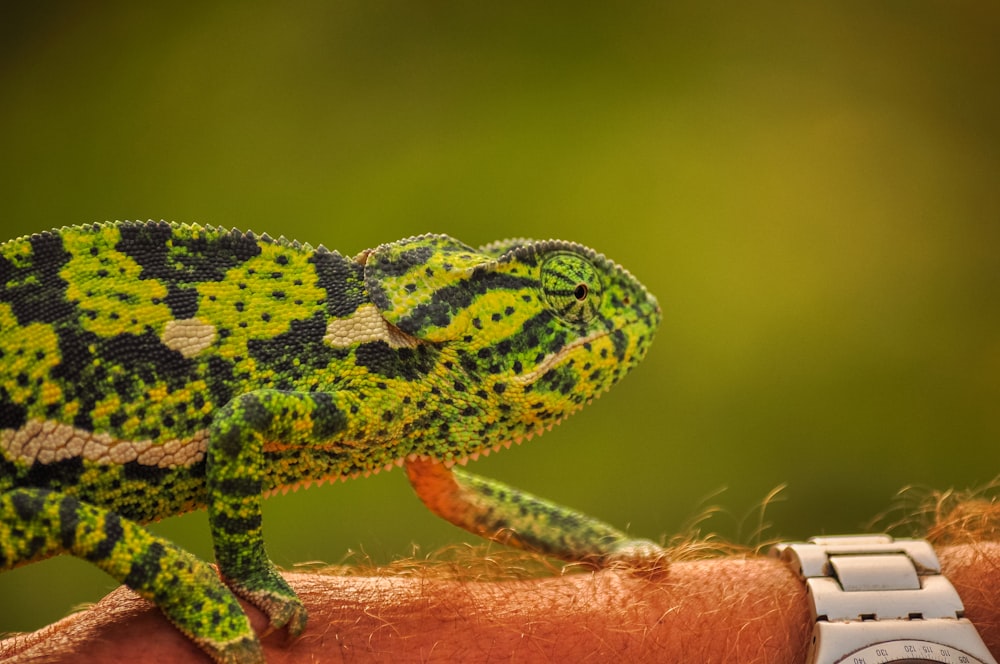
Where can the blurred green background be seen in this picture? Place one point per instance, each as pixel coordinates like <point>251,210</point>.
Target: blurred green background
<point>813,193</point>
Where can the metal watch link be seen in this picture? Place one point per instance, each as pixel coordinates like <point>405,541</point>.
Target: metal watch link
<point>877,599</point>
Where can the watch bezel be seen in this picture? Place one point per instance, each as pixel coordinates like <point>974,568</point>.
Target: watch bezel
<point>846,642</point>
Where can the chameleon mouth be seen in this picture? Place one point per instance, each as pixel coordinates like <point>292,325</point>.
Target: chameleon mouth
<point>552,359</point>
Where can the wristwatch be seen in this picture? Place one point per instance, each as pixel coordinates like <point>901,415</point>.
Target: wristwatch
<point>877,599</point>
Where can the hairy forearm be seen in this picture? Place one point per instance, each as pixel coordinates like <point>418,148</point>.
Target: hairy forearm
<point>612,615</point>
<point>731,609</point>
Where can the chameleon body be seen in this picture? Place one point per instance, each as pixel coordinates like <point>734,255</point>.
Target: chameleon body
<point>152,368</point>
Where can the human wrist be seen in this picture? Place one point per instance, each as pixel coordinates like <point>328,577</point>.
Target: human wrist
<point>974,570</point>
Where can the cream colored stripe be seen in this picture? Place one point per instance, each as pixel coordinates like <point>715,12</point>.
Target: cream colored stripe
<point>41,441</point>
<point>552,359</point>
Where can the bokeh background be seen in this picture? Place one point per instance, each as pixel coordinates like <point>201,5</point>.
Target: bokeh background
<point>812,192</point>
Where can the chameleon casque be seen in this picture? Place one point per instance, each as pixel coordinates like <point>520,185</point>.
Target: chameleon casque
<point>152,368</point>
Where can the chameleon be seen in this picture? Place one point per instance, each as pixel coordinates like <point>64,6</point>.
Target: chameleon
<point>152,368</point>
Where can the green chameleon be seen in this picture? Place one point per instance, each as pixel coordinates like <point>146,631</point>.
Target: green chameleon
<point>150,368</point>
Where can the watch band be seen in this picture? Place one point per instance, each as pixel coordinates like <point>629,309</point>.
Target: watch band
<point>879,599</point>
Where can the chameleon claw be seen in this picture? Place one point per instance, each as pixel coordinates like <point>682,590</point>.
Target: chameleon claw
<point>282,613</point>
<point>292,617</point>
<point>285,613</point>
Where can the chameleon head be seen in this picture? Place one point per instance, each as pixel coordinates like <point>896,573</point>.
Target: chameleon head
<point>594,321</point>
<point>535,329</point>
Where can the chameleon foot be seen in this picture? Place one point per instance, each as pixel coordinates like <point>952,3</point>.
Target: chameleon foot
<point>638,552</point>
<point>244,651</point>
<point>271,594</point>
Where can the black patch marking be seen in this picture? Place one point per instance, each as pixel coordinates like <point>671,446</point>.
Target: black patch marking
<point>561,379</point>
<point>343,281</point>
<point>469,363</point>
<point>154,476</point>
<point>298,351</point>
<point>328,420</point>
<point>183,302</point>
<point>113,533</point>
<point>69,517</point>
<point>396,266</point>
<point>39,293</point>
<point>188,260</point>
<point>620,341</point>
<point>28,504</point>
<point>236,525</point>
<point>452,299</point>
<point>408,363</point>
<point>146,567</point>
<point>12,415</point>
<point>239,487</point>
<point>220,379</point>
<point>181,262</point>
<point>55,475</point>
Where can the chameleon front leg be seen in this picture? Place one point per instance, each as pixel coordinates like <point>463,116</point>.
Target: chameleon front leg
<point>39,523</point>
<point>496,511</point>
<point>235,472</point>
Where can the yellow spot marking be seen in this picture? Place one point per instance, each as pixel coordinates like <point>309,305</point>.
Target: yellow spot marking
<point>51,393</point>
<point>30,352</point>
<point>484,307</point>
<point>260,298</point>
<point>157,392</point>
<point>106,285</point>
<point>106,407</point>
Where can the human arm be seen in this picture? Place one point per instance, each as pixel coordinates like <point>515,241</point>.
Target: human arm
<point>736,608</point>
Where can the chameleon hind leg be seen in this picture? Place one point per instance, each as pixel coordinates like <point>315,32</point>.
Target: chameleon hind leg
<point>496,511</point>
<point>39,523</point>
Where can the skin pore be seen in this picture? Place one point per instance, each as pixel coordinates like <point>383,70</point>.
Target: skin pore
<point>740,607</point>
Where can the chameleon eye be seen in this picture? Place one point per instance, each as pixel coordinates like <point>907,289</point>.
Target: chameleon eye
<point>572,288</point>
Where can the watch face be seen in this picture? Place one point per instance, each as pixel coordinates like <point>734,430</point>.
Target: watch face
<point>909,651</point>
